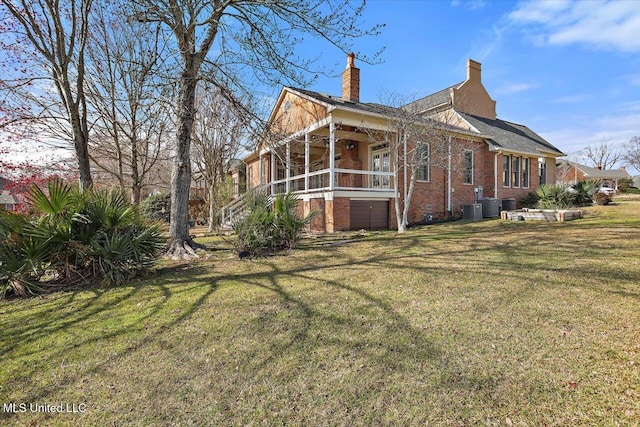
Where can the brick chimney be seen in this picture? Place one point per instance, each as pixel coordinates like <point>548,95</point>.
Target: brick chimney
<point>351,80</point>
<point>598,166</point>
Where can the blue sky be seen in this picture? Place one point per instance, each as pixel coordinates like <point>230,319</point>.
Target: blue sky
<point>569,70</point>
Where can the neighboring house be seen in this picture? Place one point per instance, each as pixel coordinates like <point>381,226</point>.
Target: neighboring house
<point>568,173</point>
<point>8,201</point>
<point>636,181</point>
<point>327,150</point>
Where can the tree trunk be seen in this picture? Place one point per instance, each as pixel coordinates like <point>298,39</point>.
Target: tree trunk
<point>212,206</point>
<point>181,246</point>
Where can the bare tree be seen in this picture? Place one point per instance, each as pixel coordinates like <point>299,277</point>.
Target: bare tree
<point>251,37</point>
<point>602,155</point>
<point>418,144</point>
<point>50,35</point>
<point>632,152</point>
<point>218,134</point>
<point>127,94</point>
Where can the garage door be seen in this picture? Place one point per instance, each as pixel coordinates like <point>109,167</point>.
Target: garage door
<point>369,214</point>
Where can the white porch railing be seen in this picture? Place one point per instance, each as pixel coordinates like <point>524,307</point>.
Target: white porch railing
<point>343,179</point>
<point>314,182</point>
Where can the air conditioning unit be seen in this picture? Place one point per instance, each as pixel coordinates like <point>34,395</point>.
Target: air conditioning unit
<point>472,212</point>
<point>508,204</point>
<point>490,208</point>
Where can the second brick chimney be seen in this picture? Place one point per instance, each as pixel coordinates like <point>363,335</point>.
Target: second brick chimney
<point>351,80</point>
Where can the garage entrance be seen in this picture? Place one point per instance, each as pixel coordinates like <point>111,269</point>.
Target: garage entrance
<point>369,214</point>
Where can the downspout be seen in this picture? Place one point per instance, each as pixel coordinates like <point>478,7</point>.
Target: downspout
<point>404,203</point>
<point>449,187</point>
<point>495,175</point>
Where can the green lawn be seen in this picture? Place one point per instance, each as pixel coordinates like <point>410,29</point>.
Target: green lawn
<point>490,323</point>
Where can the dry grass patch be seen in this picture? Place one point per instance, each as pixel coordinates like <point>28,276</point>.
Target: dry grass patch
<point>464,323</point>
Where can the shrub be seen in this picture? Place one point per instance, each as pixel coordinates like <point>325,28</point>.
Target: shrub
<point>601,199</point>
<point>530,200</point>
<point>583,192</point>
<point>157,207</point>
<point>268,226</point>
<point>553,197</point>
<point>75,239</point>
<point>624,184</point>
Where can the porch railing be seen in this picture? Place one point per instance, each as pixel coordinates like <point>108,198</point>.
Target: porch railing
<point>343,179</point>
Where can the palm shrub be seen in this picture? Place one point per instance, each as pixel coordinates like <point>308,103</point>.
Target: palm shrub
<point>269,225</point>
<point>74,239</point>
<point>530,200</point>
<point>553,197</point>
<point>157,207</point>
<point>583,192</point>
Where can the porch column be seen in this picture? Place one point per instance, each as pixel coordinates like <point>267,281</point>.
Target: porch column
<point>306,162</point>
<point>273,173</point>
<point>261,169</point>
<point>332,154</point>
<point>288,185</point>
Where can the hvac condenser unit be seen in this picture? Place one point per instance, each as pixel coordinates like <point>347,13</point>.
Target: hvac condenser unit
<point>508,204</point>
<point>472,212</point>
<point>490,208</point>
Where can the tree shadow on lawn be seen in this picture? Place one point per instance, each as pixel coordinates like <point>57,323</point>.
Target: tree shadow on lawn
<point>61,314</point>
<point>359,328</point>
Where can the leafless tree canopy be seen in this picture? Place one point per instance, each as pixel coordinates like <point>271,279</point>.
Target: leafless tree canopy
<point>52,35</point>
<point>234,42</point>
<point>128,92</point>
<point>632,152</point>
<point>602,155</point>
<point>218,135</point>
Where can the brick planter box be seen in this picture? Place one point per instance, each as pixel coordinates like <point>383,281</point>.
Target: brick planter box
<point>541,215</point>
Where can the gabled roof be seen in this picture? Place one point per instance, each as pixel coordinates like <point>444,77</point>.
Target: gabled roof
<point>595,173</point>
<point>337,101</point>
<point>442,97</point>
<point>510,136</point>
<point>7,198</point>
<point>500,134</point>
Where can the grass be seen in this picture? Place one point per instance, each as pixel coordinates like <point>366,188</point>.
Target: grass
<point>490,323</point>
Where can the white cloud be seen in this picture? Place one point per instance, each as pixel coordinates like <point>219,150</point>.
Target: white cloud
<point>572,99</point>
<point>469,4</point>
<point>511,88</point>
<point>634,79</point>
<point>602,24</point>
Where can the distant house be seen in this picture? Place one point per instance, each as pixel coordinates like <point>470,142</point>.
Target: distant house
<point>568,173</point>
<point>8,201</point>
<point>331,154</point>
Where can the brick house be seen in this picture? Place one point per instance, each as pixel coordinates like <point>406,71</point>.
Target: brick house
<point>334,151</point>
<point>568,173</point>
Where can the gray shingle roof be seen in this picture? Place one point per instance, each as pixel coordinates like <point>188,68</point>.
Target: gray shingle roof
<point>595,173</point>
<point>505,135</point>
<point>511,136</point>
<point>7,198</point>
<point>435,99</point>
<point>336,101</point>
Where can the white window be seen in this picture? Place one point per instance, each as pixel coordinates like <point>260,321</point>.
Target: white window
<point>467,171</point>
<point>506,170</point>
<point>380,162</point>
<point>525,172</point>
<point>516,172</point>
<point>422,171</point>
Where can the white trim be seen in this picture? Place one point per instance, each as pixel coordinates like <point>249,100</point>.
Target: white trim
<point>306,162</point>
<point>332,154</point>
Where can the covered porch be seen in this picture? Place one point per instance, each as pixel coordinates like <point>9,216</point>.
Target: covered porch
<point>329,157</point>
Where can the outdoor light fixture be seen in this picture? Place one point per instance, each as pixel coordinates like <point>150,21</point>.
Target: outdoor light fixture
<point>350,146</point>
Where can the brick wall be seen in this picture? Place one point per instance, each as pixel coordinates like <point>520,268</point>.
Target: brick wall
<point>341,214</point>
